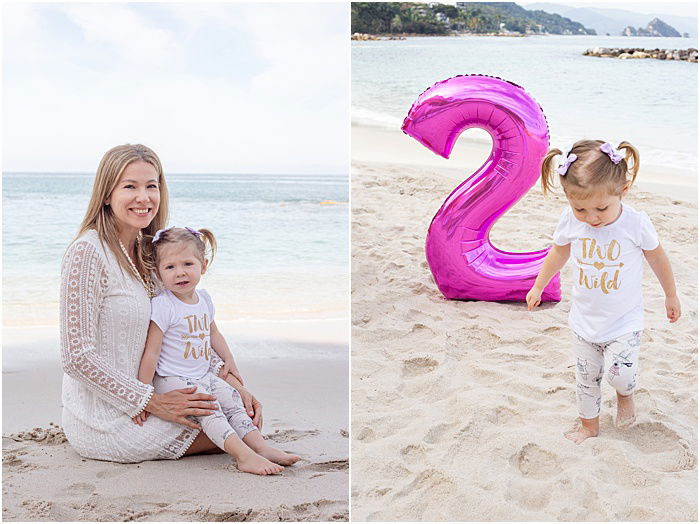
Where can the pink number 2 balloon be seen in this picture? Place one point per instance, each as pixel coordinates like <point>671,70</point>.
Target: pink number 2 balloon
<point>463,261</point>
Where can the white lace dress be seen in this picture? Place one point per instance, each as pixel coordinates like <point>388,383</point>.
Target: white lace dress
<point>105,314</point>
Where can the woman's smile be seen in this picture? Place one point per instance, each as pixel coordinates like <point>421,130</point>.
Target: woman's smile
<point>135,199</point>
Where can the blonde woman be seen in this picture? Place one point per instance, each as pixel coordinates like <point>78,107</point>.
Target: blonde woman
<point>106,287</point>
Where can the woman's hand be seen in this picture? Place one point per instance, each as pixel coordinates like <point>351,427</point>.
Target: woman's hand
<point>176,405</point>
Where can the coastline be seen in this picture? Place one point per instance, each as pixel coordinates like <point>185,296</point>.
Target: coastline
<point>305,411</point>
<point>374,144</point>
<point>459,407</point>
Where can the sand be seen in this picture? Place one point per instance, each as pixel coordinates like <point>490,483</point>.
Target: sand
<point>459,407</point>
<point>305,412</point>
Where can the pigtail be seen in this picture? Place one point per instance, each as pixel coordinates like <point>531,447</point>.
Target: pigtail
<point>209,243</point>
<point>548,170</point>
<point>631,153</point>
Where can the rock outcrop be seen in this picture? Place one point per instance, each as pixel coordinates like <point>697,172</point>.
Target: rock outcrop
<point>656,27</point>
<point>688,55</point>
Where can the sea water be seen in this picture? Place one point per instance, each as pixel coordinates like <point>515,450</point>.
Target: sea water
<point>650,103</point>
<point>283,242</point>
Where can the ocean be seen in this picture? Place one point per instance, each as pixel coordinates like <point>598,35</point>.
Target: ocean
<point>650,103</point>
<point>283,242</point>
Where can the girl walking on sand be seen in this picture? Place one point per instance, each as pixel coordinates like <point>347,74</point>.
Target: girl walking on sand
<point>607,240</point>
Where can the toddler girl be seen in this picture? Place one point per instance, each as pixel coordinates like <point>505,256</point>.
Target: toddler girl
<point>607,240</point>
<point>180,339</point>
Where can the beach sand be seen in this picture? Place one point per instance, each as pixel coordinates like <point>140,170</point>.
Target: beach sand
<point>459,408</point>
<point>305,411</point>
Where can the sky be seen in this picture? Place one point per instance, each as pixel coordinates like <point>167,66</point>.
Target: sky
<point>212,88</point>
<point>671,8</point>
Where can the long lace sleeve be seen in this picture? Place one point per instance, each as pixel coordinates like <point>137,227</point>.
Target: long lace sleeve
<point>215,363</point>
<point>84,280</point>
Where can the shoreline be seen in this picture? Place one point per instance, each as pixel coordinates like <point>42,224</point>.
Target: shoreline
<point>304,339</point>
<point>376,144</point>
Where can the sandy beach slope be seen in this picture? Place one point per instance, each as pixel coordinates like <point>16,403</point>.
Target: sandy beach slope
<point>459,408</point>
<point>306,412</point>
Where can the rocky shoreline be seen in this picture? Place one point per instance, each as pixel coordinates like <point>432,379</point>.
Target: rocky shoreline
<point>686,55</point>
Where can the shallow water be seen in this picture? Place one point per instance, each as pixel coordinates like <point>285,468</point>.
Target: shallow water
<point>282,254</point>
<point>650,103</point>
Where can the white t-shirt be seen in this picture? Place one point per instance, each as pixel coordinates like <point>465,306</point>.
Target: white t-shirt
<point>186,334</point>
<point>606,300</point>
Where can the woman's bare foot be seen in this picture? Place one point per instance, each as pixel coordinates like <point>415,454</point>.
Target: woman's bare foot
<point>254,463</point>
<point>626,414</point>
<point>589,428</point>
<point>277,455</point>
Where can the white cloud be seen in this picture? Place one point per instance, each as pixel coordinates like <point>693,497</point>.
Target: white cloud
<point>121,28</point>
<point>96,84</point>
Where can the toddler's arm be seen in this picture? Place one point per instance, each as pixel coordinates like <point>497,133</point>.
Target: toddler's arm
<point>219,345</point>
<point>151,354</point>
<point>149,360</point>
<point>553,263</point>
<point>661,266</point>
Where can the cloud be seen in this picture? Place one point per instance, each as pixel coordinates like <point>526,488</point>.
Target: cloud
<point>212,88</point>
<point>123,30</point>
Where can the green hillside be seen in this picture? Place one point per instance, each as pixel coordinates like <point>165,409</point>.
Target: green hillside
<point>466,17</point>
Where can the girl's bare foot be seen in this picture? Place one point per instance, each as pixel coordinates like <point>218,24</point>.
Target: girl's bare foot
<point>257,443</point>
<point>248,460</point>
<point>254,463</point>
<point>626,414</point>
<point>278,456</point>
<point>588,429</point>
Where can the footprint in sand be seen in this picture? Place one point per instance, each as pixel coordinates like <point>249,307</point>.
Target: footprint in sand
<point>109,473</point>
<point>426,483</point>
<point>413,454</point>
<point>535,462</point>
<point>331,465</point>
<point>418,366</point>
<point>79,488</point>
<point>436,432</point>
<point>653,437</point>
<point>290,435</point>
<point>366,434</point>
<point>669,452</point>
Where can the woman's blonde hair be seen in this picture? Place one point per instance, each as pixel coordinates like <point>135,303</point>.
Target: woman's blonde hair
<point>592,170</point>
<point>203,241</point>
<point>100,217</point>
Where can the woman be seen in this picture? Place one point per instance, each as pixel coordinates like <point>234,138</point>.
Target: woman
<point>106,287</point>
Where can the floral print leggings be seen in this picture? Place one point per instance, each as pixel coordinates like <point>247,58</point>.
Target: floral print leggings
<point>231,416</point>
<point>615,359</point>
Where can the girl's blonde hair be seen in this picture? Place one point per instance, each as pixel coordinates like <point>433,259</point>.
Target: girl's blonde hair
<point>100,217</point>
<point>203,241</point>
<point>592,170</point>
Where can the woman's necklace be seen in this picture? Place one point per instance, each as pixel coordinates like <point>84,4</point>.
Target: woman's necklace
<point>150,287</point>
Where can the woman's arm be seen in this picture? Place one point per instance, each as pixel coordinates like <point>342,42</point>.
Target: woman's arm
<point>84,281</point>
<point>553,263</point>
<point>661,266</point>
<point>219,345</point>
